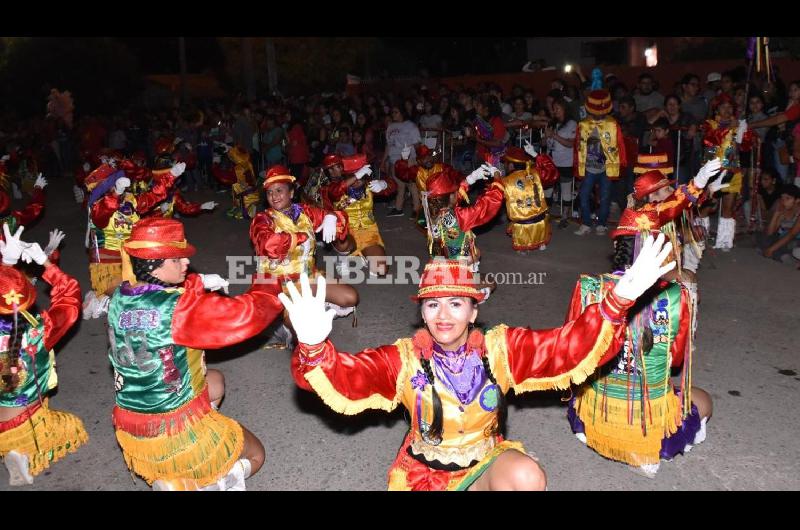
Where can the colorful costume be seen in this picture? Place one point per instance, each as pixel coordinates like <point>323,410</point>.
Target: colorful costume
<point>111,218</point>
<point>163,418</point>
<point>468,380</point>
<point>631,412</point>
<point>42,434</point>
<point>243,185</point>
<point>528,213</point>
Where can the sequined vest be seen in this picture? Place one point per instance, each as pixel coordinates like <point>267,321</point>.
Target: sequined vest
<point>301,257</point>
<point>607,129</point>
<point>524,195</point>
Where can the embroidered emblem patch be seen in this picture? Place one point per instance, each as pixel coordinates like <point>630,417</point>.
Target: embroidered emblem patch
<point>488,398</point>
<point>139,319</point>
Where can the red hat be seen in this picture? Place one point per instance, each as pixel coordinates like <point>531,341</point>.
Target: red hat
<point>448,278</point>
<point>16,291</point>
<point>659,161</point>
<point>331,160</point>
<point>164,146</point>
<point>98,175</point>
<point>599,102</point>
<point>721,98</point>
<point>442,183</point>
<point>423,151</point>
<point>517,155</point>
<point>649,182</point>
<point>158,238</point>
<point>635,222</point>
<point>276,174</point>
<point>353,163</point>
<point>5,201</point>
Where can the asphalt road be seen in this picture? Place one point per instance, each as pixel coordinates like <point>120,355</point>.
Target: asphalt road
<point>746,358</point>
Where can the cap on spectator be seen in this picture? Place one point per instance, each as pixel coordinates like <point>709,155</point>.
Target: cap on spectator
<point>713,76</point>
<point>599,102</point>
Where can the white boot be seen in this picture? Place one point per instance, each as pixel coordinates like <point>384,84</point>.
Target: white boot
<point>725,232</point>
<point>581,436</point>
<point>101,309</point>
<point>648,470</point>
<point>340,311</point>
<point>701,434</point>
<point>90,303</point>
<point>18,469</point>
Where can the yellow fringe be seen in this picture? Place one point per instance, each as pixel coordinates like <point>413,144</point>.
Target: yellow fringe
<point>614,437</point>
<point>495,340</point>
<point>55,433</point>
<point>577,375</point>
<point>104,275</point>
<point>343,405</point>
<point>204,451</point>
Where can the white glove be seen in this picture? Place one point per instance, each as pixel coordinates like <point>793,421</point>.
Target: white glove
<point>647,268</point>
<point>56,236</point>
<point>86,167</point>
<point>33,252</point>
<point>715,185</point>
<point>121,185</point>
<point>708,170</point>
<point>406,152</point>
<point>530,149</point>
<point>214,282</point>
<point>740,131</point>
<point>328,228</point>
<point>5,158</point>
<point>12,247</point>
<point>365,170</point>
<point>311,322</point>
<point>481,173</point>
<point>41,182</point>
<point>377,186</point>
<point>178,169</point>
<point>210,205</point>
<point>79,194</point>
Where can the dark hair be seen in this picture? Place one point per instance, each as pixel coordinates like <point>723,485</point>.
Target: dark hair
<point>672,96</point>
<point>645,75</point>
<point>791,189</point>
<point>628,99</point>
<point>686,79</point>
<point>623,252</point>
<point>142,269</point>
<point>491,103</point>
<point>661,123</point>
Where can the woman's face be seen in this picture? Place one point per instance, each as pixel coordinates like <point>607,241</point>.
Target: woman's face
<point>725,110</point>
<point>361,119</point>
<point>172,271</point>
<point>528,99</point>
<point>739,97</point>
<point>794,92</point>
<point>482,111</point>
<point>279,196</point>
<point>519,106</point>
<point>336,116</point>
<point>396,115</point>
<point>673,107</point>
<point>756,105</point>
<point>448,319</point>
<point>558,113</point>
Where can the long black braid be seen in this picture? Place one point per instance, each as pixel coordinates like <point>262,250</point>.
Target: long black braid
<point>501,398</point>
<point>10,380</point>
<point>623,252</point>
<point>142,269</point>
<point>434,433</point>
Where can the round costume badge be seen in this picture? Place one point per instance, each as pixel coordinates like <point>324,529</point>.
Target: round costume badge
<point>488,398</point>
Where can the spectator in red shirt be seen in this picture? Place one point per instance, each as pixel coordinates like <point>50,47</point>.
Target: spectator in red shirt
<point>297,151</point>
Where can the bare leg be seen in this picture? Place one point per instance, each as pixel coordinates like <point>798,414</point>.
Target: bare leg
<point>340,294</point>
<point>728,204</point>
<point>216,386</point>
<point>702,400</point>
<point>376,256</point>
<point>253,451</point>
<point>512,471</point>
<point>401,194</point>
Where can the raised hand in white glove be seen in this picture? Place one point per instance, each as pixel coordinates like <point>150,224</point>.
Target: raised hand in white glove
<point>363,171</point>
<point>210,205</point>
<point>740,131</point>
<point>708,170</point>
<point>56,236</point>
<point>178,169</point>
<point>214,282</point>
<point>377,186</point>
<point>311,322</point>
<point>715,185</point>
<point>41,182</point>
<point>328,228</point>
<point>646,269</point>
<point>79,194</point>
<point>12,247</point>
<point>405,152</point>
<point>33,252</point>
<point>530,149</point>
<point>481,173</point>
<point>121,185</point>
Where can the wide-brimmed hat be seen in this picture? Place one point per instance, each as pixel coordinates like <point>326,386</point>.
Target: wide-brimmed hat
<point>277,174</point>
<point>635,222</point>
<point>158,238</point>
<point>443,278</point>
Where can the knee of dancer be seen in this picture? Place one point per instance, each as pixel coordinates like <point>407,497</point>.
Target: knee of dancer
<point>527,477</point>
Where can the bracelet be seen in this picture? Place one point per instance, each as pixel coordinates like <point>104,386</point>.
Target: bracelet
<point>312,356</point>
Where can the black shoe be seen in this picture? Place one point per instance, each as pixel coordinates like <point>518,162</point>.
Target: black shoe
<point>394,212</point>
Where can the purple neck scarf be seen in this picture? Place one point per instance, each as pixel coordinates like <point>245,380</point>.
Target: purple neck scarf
<point>460,371</point>
<point>130,290</point>
<point>293,212</point>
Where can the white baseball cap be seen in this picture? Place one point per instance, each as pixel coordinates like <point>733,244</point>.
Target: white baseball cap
<point>713,76</point>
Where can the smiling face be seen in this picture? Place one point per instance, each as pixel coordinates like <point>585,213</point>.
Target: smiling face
<point>279,196</point>
<point>173,270</point>
<point>448,319</point>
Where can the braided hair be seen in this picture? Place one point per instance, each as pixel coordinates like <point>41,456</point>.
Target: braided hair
<point>501,398</point>
<point>10,380</point>
<point>434,433</point>
<point>623,252</point>
<point>143,268</point>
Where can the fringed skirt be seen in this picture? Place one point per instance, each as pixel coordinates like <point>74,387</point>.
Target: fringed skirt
<point>43,434</point>
<point>366,237</point>
<point>192,442</point>
<point>530,236</point>
<point>409,474</point>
